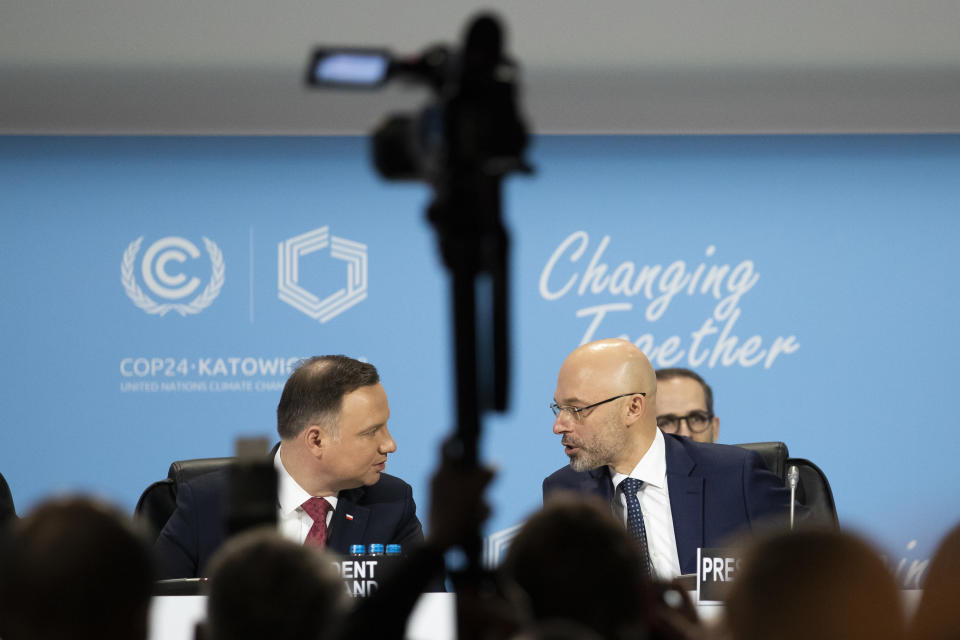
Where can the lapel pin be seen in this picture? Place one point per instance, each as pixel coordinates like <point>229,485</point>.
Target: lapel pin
<point>348,516</point>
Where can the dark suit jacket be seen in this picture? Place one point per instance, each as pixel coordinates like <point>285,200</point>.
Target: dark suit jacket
<point>715,490</point>
<point>384,512</point>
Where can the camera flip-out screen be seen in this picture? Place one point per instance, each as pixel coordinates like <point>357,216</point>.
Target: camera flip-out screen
<point>358,68</point>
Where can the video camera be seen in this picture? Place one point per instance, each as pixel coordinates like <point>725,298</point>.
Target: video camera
<point>463,143</point>
<point>472,123</point>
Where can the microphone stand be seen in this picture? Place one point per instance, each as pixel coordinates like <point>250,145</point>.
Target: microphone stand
<point>793,478</point>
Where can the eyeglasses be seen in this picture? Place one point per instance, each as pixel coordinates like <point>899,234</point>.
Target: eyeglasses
<point>697,422</point>
<point>577,412</point>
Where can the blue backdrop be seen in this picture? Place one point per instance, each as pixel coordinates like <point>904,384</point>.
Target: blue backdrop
<point>157,290</point>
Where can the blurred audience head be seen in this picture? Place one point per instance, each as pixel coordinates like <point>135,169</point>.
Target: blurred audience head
<point>814,584</point>
<point>265,586</point>
<point>74,568</point>
<point>938,614</point>
<point>556,630</point>
<point>574,561</point>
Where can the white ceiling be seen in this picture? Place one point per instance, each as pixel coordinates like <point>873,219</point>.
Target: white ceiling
<point>687,66</point>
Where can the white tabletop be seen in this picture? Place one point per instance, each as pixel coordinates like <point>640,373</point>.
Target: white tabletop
<point>174,617</point>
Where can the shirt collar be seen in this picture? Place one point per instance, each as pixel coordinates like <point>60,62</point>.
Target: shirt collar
<point>291,495</point>
<point>652,468</point>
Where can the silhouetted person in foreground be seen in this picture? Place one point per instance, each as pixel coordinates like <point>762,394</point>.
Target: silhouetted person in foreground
<point>264,586</point>
<point>574,561</point>
<point>814,584</point>
<point>74,569</point>
<point>557,630</point>
<point>457,511</point>
<point>938,614</point>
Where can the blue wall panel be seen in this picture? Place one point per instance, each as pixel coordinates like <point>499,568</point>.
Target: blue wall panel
<point>836,252</point>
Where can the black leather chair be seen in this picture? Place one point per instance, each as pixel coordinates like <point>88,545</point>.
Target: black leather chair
<point>813,489</point>
<point>775,454</point>
<point>7,511</point>
<point>159,500</point>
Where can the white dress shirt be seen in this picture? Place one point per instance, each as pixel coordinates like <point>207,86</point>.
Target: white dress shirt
<point>655,503</point>
<point>293,522</point>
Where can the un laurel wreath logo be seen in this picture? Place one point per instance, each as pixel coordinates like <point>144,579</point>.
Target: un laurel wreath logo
<point>145,302</point>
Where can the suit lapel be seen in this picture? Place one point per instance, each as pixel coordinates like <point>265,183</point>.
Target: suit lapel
<point>349,521</point>
<point>686,503</point>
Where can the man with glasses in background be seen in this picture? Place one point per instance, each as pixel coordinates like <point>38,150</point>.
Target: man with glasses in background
<point>674,494</point>
<point>685,405</point>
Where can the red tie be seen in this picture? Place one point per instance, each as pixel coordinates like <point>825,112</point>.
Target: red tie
<point>317,509</point>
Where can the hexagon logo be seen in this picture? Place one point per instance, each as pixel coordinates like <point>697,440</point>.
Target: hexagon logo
<point>496,544</point>
<point>354,254</point>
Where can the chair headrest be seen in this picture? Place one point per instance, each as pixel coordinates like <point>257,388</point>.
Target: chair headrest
<point>774,454</point>
<point>185,470</point>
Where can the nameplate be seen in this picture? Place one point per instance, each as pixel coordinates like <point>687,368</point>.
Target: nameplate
<point>362,576</point>
<point>716,569</point>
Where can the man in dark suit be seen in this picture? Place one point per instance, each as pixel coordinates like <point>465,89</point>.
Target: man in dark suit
<point>332,489</point>
<point>683,494</point>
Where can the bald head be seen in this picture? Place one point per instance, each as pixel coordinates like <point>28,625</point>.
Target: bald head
<point>611,364</point>
<point>613,382</point>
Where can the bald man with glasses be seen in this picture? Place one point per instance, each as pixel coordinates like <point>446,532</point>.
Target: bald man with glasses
<point>675,495</point>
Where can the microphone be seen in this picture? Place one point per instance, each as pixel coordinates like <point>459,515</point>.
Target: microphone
<point>793,478</point>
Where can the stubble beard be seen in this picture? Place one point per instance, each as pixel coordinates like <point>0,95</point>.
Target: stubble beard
<point>599,450</point>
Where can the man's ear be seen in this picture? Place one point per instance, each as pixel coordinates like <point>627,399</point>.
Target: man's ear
<point>636,408</point>
<point>716,428</point>
<point>315,439</point>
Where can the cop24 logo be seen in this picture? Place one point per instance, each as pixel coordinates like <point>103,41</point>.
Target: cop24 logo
<point>291,290</point>
<point>156,274</point>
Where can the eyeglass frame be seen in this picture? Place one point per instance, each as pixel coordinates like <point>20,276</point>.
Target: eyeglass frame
<point>708,416</point>
<point>577,412</point>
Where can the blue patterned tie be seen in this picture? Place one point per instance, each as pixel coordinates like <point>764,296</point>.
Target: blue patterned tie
<point>630,487</point>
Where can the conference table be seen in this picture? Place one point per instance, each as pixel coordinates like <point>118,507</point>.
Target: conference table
<point>433,618</point>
